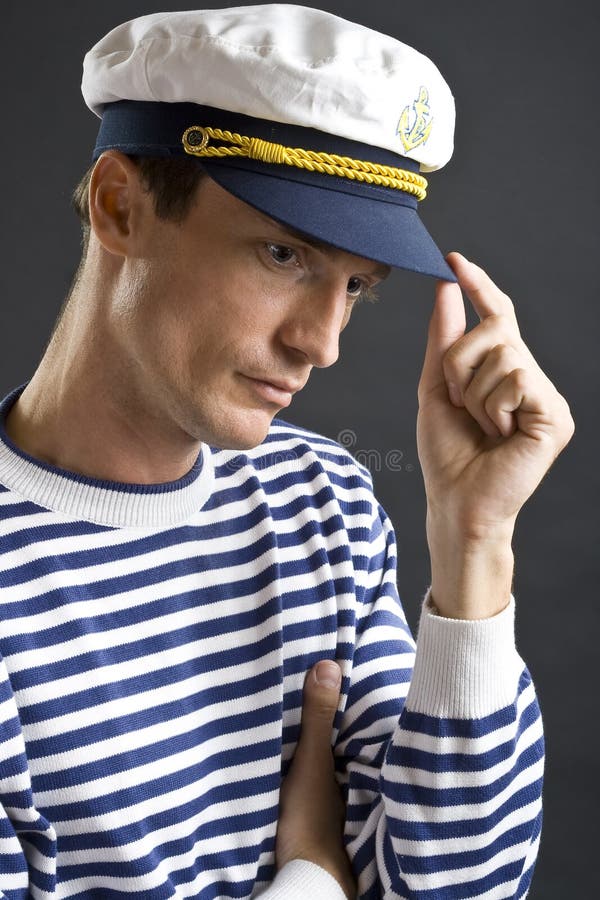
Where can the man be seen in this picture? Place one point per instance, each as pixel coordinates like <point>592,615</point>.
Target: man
<point>175,559</point>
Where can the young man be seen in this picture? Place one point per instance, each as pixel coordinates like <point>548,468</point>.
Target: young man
<point>175,559</point>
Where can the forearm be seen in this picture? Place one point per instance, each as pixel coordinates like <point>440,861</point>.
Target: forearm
<point>443,783</point>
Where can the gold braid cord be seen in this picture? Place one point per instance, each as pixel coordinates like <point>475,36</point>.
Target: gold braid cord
<point>195,142</point>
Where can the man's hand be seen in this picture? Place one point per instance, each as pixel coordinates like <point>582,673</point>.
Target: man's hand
<point>311,807</point>
<point>490,425</point>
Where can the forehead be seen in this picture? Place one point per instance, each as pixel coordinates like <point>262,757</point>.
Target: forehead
<point>216,203</point>
<point>379,269</point>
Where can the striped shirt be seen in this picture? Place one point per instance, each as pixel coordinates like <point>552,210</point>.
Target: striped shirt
<point>154,641</point>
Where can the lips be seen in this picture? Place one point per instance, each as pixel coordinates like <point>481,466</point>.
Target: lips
<point>290,387</point>
<point>273,392</point>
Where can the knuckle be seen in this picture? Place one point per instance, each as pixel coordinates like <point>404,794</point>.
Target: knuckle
<point>327,710</point>
<point>507,300</point>
<point>569,432</point>
<point>566,409</point>
<point>500,323</point>
<point>509,351</point>
<point>317,709</point>
<point>501,353</point>
<point>568,422</point>
<point>519,378</point>
<point>571,425</point>
<point>451,360</point>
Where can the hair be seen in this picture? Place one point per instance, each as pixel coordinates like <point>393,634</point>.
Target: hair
<point>172,183</point>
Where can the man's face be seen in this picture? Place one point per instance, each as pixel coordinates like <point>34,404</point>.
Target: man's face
<point>223,304</point>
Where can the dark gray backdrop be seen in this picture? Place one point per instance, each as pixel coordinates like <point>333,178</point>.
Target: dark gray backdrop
<point>521,197</point>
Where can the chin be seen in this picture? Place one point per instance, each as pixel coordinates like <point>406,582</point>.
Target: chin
<point>242,431</point>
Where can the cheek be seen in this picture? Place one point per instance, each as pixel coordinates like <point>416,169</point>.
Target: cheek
<point>238,306</point>
<point>212,306</point>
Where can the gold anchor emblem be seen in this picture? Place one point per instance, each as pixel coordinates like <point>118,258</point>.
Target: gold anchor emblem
<point>417,132</point>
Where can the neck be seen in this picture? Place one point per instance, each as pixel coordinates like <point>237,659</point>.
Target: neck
<point>87,410</point>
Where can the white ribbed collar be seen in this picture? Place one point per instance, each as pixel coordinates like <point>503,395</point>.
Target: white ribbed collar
<point>108,503</point>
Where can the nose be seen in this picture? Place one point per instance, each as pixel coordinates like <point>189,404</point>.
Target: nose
<point>314,324</point>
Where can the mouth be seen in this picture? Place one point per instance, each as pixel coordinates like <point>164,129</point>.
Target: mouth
<point>279,393</point>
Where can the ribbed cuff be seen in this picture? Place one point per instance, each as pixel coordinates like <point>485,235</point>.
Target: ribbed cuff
<point>464,669</point>
<point>300,879</point>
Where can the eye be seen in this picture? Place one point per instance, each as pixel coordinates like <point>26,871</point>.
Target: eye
<point>281,254</point>
<point>356,287</point>
<point>359,290</point>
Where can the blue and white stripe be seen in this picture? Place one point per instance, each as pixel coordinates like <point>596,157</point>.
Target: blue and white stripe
<point>154,643</point>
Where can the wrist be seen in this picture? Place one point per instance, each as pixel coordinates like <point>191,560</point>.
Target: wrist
<point>470,578</point>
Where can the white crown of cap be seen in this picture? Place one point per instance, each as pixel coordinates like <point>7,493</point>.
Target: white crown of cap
<point>284,63</point>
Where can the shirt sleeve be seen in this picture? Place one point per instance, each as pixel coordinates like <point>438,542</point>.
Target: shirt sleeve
<point>440,747</point>
<point>300,879</point>
<point>27,839</point>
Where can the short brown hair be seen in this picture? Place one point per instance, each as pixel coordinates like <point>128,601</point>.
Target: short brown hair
<point>171,181</point>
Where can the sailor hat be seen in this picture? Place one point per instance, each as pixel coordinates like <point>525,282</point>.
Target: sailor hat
<point>322,124</point>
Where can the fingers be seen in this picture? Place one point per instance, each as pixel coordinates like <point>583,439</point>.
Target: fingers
<point>311,803</point>
<point>446,325</point>
<point>477,364</point>
<point>470,352</point>
<point>486,297</point>
<point>319,705</point>
<point>475,367</point>
<point>486,395</point>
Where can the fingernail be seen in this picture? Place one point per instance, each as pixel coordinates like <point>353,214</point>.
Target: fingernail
<point>328,674</point>
<point>455,395</point>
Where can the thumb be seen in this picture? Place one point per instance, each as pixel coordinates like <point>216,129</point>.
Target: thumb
<point>446,325</point>
<point>320,700</point>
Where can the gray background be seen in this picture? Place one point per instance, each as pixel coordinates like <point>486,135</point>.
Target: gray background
<point>520,197</point>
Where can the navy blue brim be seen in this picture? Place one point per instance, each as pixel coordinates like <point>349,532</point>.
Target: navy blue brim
<point>372,221</point>
<point>385,232</point>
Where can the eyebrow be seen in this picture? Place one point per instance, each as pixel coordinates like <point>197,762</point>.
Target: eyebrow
<point>381,270</point>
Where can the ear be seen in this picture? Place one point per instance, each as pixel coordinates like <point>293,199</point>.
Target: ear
<point>117,203</point>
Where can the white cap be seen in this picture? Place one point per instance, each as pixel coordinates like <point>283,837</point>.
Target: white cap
<point>284,63</point>
<point>318,122</point>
